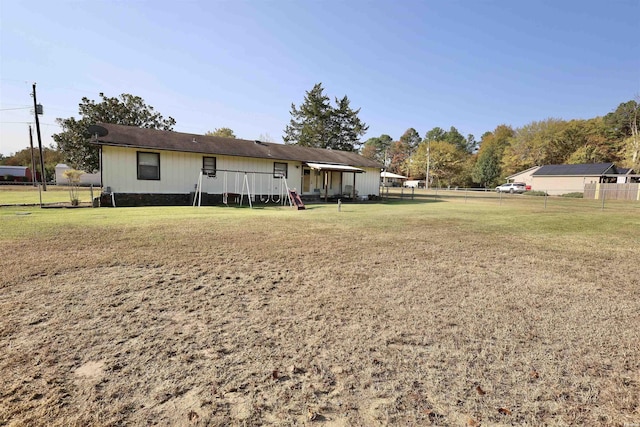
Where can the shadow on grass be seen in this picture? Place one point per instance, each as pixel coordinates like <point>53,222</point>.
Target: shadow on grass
<point>414,201</point>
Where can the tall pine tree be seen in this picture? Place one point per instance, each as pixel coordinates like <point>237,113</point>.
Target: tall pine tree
<point>318,124</point>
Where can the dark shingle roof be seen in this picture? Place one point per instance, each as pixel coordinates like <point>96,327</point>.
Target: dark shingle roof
<point>134,137</point>
<point>588,169</point>
<point>624,171</point>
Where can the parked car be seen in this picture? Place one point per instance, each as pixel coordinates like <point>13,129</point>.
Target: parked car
<point>512,187</point>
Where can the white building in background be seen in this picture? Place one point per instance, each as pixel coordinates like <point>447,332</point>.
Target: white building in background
<point>85,178</point>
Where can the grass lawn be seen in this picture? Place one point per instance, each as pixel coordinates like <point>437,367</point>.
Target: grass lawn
<point>436,311</point>
<point>28,195</point>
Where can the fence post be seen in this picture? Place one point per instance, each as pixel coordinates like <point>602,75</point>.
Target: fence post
<point>466,191</point>
<point>545,199</point>
<point>603,197</point>
<point>402,193</point>
<point>91,195</point>
<point>413,190</point>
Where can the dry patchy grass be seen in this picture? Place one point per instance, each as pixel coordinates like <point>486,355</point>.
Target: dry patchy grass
<point>275,317</point>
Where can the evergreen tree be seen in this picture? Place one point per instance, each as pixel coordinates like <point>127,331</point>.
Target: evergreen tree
<point>346,128</point>
<point>411,138</point>
<point>435,134</point>
<point>317,124</point>
<point>456,139</point>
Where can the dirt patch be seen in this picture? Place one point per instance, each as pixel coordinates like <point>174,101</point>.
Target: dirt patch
<point>92,370</point>
<point>336,327</point>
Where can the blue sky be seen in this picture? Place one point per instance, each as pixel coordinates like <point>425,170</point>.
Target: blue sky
<point>240,64</point>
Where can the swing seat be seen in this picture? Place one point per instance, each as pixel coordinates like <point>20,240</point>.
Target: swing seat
<point>235,197</point>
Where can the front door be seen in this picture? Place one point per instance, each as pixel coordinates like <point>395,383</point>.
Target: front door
<point>306,180</point>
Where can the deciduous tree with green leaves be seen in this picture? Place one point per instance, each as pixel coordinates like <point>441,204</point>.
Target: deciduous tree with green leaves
<point>130,110</point>
<point>222,132</point>
<point>486,170</point>
<point>624,124</point>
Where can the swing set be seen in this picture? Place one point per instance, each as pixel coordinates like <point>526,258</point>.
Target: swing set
<point>270,196</point>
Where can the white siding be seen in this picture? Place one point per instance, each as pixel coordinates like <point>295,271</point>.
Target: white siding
<point>368,182</point>
<point>179,173</point>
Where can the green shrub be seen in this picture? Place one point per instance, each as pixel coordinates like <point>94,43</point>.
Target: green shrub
<point>573,195</point>
<point>536,193</point>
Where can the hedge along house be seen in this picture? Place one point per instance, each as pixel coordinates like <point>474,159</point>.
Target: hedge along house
<point>154,167</point>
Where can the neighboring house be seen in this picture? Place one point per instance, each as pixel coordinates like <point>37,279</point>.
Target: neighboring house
<point>85,178</point>
<point>525,176</point>
<point>388,179</point>
<point>16,174</point>
<point>562,179</point>
<point>154,167</point>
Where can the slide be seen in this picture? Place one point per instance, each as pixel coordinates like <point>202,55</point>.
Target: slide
<point>297,201</point>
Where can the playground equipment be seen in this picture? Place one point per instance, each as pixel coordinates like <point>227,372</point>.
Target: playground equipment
<point>282,195</point>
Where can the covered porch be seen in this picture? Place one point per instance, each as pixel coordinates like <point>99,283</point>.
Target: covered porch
<point>329,181</point>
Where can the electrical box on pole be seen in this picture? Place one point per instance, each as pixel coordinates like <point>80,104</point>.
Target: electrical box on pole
<point>37,110</point>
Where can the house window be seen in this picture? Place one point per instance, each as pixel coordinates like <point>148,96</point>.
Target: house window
<point>209,166</point>
<point>148,165</point>
<point>279,169</point>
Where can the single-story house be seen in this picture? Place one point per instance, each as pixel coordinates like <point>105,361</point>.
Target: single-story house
<point>562,179</point>
<point>388,179</point>
<point>526,176</point>
<point>154,167</point>
<point>85,178</point>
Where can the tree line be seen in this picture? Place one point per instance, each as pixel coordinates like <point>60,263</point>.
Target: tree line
<point>453,158</point>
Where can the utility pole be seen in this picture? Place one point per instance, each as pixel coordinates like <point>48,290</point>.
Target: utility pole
<point>426,183</point>
<point>34,171</point>
<point>37,111</point>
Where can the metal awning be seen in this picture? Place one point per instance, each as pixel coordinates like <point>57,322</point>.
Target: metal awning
<point>391,175</point>
<point>334,167</point>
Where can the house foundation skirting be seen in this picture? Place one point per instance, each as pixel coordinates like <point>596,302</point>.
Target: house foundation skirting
<point>158,199</point>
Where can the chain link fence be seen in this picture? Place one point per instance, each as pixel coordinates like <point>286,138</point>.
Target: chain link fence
<point>604,198</point>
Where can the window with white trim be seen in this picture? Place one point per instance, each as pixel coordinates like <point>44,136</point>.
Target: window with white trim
<point>148,165</point>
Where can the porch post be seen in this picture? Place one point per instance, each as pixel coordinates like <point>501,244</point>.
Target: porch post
<point>326,186</point>
<point>353,190</point>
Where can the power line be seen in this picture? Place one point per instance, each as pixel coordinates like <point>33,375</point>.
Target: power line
<point>18,108</point>
<point>30,123</point>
